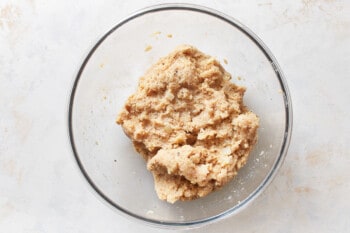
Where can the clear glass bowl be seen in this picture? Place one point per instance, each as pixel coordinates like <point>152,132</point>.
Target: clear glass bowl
<point>110,74</point>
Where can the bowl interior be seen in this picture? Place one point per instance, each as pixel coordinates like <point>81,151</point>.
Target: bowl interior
<point>110,74</point>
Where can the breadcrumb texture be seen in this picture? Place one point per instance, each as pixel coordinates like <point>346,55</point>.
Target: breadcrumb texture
<point>188,121</point>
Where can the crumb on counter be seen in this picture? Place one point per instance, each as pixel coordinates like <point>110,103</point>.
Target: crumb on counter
<point>156,33</point>
<point>148,48</point>
<point>169,36</point>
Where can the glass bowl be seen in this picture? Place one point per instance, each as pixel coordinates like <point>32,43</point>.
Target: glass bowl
<point>110,74</point>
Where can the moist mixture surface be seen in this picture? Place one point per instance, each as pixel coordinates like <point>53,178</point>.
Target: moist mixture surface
<point>188,121</point>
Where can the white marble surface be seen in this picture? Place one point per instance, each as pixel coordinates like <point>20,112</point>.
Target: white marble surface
<point>42,45</point>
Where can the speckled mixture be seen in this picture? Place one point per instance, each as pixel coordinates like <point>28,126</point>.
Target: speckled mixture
<point>189,123</point>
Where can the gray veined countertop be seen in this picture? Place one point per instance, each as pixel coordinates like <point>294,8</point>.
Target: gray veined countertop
<point>42,45</point>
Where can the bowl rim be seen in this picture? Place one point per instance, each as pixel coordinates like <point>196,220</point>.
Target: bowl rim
<point>284,89</point>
